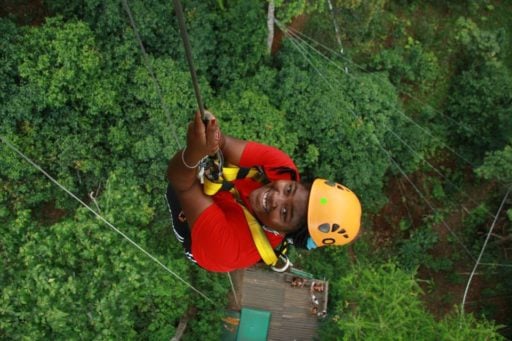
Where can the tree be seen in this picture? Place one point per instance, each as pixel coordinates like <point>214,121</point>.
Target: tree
<point>78,279</point>
<point>410,68</point>
<point>110,23</point>
<point>344,124</point>
<point>241,109</point>
<point>9,59</point>
<point>106,108</point>
<point>498,166</point>
<point>82,112</point>
<point>481,106</point>
<point>481,100</point>
<point>60,83</point>
<point>382,302</point>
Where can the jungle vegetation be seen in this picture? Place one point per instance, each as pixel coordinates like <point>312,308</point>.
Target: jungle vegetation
<point>411,108</point>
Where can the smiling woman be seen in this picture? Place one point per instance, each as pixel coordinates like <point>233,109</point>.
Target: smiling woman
<point>215,230</point>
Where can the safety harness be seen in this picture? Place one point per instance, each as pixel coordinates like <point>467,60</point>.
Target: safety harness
<point>218,177</point>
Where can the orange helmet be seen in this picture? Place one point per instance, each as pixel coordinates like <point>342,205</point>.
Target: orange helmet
<point>334,213</point>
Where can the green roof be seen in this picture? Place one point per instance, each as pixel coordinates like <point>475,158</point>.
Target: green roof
<point>254,324</point>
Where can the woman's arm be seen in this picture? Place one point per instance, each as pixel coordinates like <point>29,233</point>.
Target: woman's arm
<point>182,170</point>
<point>232,149</point>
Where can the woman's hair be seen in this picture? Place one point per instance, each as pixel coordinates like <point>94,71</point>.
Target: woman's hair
<point>300,237</point>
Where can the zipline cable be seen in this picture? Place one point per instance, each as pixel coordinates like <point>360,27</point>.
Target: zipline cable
<point>235,296</point>
<point>13,148</point>
<point>335,24</point>
<point>483,247</point>
<point>344,57</point>
<point>291,32</point>
<point>188,54</point>
<point>497,264</point>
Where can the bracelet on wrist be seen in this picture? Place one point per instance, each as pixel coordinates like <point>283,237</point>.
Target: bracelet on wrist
<point>185,163</point>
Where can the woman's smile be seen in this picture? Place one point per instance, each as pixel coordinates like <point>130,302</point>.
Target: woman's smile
<point>280,205</point>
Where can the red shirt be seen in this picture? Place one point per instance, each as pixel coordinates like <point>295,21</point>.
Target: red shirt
<point>221,239</point>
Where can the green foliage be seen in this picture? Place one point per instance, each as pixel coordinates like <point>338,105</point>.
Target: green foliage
<point>346,122</point>
<point>61,59</point>
<point>479,45</point>
<point>314,262</point>
<point>234,58</point>
<point>62,83</point>
<point>286,11</point>
<point>361,21</point>
<point>76,97</point>
<point>413,252</point>
<point>476,218</point>
<point>214,32</point>
<point>476,227</point>
<point>481,93</point>
<point>240,110</point>
<point>481,105</point>
<point>158,135</point>
<point>413,248</point>
<point>411,68</point>
<point>78,279</point>
<point>157,26</point>
<point>369,312</point>
<point>463,326</point>
<point>9,60</point>
<point>207,324</point>
<point>497,166</point>
<point>109,21</point>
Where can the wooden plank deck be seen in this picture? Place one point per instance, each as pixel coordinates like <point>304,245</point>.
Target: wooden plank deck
<point>290,306</point>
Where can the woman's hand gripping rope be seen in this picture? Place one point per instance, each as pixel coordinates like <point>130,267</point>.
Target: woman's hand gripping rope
<point>203,139</point>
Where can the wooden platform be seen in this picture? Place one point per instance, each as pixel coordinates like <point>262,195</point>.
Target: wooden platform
<point>290,306</point>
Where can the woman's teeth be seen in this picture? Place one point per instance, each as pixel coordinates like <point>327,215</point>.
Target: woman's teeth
<point>264,202</point>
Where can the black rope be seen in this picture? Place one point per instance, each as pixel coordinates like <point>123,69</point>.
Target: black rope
<point>188,54</point>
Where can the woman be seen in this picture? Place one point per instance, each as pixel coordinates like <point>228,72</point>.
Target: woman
<point>214,229</point>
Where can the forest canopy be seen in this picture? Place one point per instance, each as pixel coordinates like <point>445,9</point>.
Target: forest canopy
<point>409,104</point>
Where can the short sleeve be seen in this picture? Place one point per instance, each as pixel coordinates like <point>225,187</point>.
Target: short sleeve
<point>268,157</point>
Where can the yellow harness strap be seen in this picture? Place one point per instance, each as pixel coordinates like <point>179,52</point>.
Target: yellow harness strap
<point>230,173</point>
<point>260,239</point>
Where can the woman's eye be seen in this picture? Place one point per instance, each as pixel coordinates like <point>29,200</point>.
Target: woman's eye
<point>289,190</point>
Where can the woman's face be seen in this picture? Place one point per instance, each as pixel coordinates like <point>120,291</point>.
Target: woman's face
<point>281,205</point>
